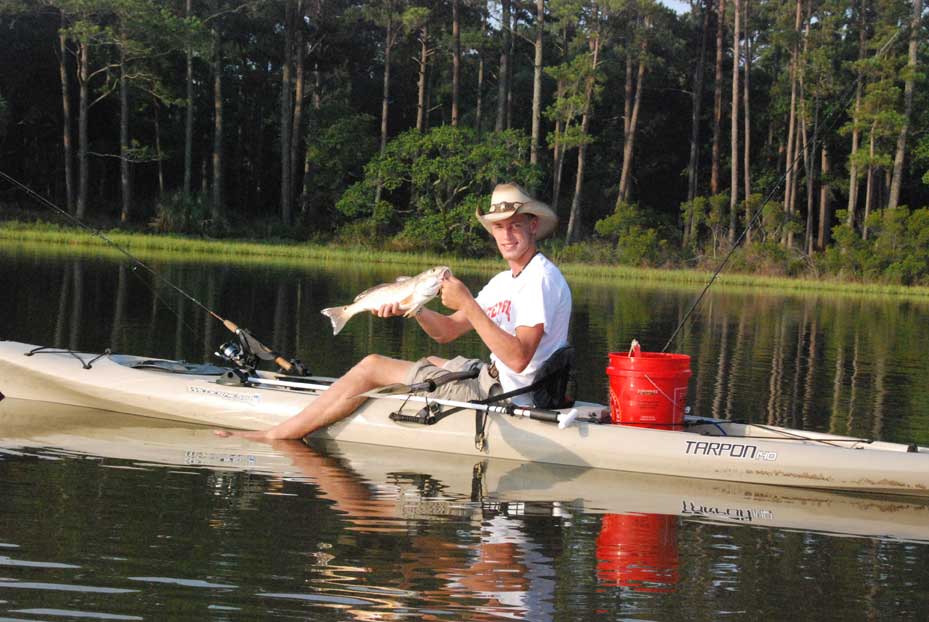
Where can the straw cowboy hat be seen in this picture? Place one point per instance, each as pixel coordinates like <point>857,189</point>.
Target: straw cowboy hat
<point>509,200</point>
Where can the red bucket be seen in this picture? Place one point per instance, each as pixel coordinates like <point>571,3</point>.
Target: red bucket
<point>648,388</point>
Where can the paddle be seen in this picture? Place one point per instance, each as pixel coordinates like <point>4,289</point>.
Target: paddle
<point>428,386</point>
<point>552,416</point>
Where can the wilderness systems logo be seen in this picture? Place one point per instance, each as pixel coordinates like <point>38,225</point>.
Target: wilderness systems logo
<point>736,514</point>
<point>729,450</point>
<point>243,398</point>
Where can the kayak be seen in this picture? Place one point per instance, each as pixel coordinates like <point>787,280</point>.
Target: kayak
<point>703,448</point>
<point>458,485</point>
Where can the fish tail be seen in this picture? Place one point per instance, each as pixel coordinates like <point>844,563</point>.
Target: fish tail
<point>338,316</point>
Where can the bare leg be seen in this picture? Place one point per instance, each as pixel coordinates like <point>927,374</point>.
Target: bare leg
<point>338,401</point>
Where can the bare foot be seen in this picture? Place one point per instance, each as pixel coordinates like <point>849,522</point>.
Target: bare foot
<point>254,435</point>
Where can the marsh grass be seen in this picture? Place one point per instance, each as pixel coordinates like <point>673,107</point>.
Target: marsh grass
<point>51,239</point>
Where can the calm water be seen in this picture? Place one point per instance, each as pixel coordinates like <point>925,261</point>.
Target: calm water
<point>124,519</point>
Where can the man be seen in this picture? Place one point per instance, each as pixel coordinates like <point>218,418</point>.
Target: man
<point>521,315</point>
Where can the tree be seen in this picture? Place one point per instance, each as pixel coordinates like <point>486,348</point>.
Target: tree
<point>456,60</point>
<point>537,82</point>
<point>594,42</point>
<point>909,81</point>
<point>417,20</point>
<point>385,13</point>
<point>291,7</point>
<point>503,87</point>
<point>577,78</point>
<point>433,183</point>
<point>642,29</point>
<point>717,96</point>
<point>734,126</point>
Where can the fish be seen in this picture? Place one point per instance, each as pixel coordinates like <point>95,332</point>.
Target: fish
<point>411,292</point>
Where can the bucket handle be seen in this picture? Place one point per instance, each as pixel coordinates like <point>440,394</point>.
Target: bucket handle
<point>663,394</point>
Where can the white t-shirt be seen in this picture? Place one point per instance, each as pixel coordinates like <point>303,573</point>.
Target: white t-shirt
<point>539,295</point>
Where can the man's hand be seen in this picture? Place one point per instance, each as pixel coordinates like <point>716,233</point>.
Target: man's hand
<point>455,294</point>
<point>391,309</point>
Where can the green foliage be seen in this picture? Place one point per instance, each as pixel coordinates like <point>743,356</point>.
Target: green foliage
<point>433,182</point>
<point>636,242</point>
<point>336,153</point>
<point>896,251</point>
<point>180,213</point>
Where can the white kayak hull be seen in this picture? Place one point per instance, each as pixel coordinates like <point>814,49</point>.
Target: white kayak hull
<point>717,450</point>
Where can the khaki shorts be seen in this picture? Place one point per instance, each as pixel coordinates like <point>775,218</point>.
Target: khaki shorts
<point>466,390</point>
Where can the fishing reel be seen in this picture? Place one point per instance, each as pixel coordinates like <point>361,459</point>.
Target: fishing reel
<point>245,353</point>
<point>238,355</point>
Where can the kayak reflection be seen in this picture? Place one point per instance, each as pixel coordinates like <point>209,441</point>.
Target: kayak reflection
<point>487,552</point>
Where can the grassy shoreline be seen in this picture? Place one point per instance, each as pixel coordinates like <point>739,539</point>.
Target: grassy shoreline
<point>72,240</point>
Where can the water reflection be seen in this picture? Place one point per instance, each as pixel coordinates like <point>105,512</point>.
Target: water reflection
<point>638,551</point>
<point>381,533</point>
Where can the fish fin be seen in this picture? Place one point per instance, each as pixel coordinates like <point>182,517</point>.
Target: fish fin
<point>413,311</point>
<point>408,301</point>
<point>338,316</point>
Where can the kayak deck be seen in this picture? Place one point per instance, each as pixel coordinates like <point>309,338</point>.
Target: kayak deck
<point>706,448</point>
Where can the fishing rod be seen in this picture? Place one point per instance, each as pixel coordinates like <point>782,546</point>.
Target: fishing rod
<point>241,354</point>
<point>832,117</point>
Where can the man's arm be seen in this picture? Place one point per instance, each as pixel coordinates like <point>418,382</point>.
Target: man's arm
<point>442,328</point>
<point>514,350</point>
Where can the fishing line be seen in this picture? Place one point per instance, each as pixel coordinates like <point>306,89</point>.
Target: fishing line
<point>247,340</point>
<point>135,260</point>
<point>832,117</point>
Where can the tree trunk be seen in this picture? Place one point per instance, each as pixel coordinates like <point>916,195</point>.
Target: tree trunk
<point>296,128</point>
<point>480,73</point>
<point>82,162</point>
<point>809,155</point>
<point>897,179</point>
<point>574,221</point>
<point>625,178</point>
<point>421,83</point>
<point>502,86</point>
<point>869,184</point>
<point>628,92</point>
<point>856,132</point>
<point>66,116</point>
<point>456,61</point>
<point>287,115</point>
<point>717,98</point>
<point>509,70</point>
<point>791,127</point>
<point>747,133</point>
<point>125,186</point>
<point>810,170</point>
<point>824,201</point>
<point>217,203</point>
<point>158,153</point>
<point>189,121</point>
<point>535,147</point>
<point>734,123</point>
<point>696,105</point>
<point>385,101</point>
